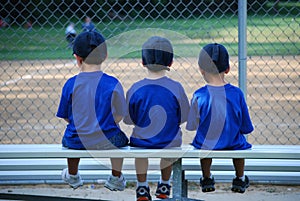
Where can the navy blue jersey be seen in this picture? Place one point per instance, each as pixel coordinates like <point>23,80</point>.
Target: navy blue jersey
<point>220,116</point>
<point>156,108</point>
<point>90,101</point>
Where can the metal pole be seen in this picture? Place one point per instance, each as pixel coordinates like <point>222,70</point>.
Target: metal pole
<point>177,180</point>
<point>242,52</point>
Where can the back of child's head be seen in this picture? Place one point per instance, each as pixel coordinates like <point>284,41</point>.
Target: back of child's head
<point>91,46</point>
<point>157,53</point>
<point>214,58</point>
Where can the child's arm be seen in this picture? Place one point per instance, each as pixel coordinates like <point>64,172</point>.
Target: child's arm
<point>64,104</point>
<point>127,119</point>
<point>119,103</point>
<point>184,106</point>
<point>193,116</point>
<point>247,126</point>
<point>118,118</point>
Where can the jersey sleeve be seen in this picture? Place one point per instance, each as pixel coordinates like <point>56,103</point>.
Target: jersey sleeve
<point>184,105</point>
<point>119,103</point>
<point>127,118</point>
<point>63,107</point>
<point>246,126</point>
<point>193,116</point>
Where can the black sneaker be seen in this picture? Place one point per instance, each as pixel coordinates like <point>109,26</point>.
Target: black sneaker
<point>163,191</point>
<point>239,185</point>
<point>207,184</point>
<point>143,194</point>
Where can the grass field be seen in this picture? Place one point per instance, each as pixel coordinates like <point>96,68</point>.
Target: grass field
<point>266,36</point>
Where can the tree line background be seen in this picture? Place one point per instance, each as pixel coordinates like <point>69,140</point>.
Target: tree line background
<point>57,12</point>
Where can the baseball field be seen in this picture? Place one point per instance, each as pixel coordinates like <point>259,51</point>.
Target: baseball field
<point>35,64</point>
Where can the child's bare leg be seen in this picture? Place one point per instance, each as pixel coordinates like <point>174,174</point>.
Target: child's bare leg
<point>71,174</point>
<point>116,182</point>
<point>141,166</point>
<point>166,169</point>
<point>116,164</point>
<point>205,165</point>
<point>73,165</point>
<point>207,181</point>
<point>163,187</point>
<point>241,182</point>
<point>239,164</point>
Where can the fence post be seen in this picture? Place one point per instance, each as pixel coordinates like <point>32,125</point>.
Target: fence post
<point>242,51</point>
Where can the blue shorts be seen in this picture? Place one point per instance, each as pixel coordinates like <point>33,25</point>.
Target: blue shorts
<point>116,141</point>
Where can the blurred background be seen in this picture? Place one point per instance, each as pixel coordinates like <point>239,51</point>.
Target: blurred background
<point>36,57</point>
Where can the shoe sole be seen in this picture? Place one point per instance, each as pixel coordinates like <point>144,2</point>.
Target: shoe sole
<point>75,187</point>
<point>239,189</point>
<point>162,196</point>
<point>111,188</point>
<point>208,189</point>
<point>72,186</point>
<point>143,199</point>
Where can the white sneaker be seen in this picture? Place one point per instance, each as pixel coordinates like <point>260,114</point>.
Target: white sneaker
<point>73,181</point>
<point>115,183</point>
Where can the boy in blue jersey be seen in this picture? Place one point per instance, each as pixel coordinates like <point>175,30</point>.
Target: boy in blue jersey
<point>93,104</point>
<point>220,115</point>
<point>157,106</point>
<point>88,25</point>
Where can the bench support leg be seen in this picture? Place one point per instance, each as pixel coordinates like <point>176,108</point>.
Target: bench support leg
<point>178,178</point>
<point>180,184</point>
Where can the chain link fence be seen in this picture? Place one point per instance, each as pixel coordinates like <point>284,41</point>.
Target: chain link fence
<point>35,58</point>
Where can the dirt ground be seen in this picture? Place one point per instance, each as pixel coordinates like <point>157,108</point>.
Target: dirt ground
<point>256,192</point>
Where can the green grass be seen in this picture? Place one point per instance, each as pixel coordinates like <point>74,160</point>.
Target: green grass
<point>266,36</point>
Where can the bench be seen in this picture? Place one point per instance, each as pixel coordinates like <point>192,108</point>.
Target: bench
<point>16,161</point>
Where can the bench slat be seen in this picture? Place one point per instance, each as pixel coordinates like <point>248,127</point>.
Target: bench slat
<point>55,151</point>
<point>188,164</point>
<point>32,162</point>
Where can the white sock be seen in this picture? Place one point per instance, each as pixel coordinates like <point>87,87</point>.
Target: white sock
<point>121,177</point>
<point>145,183</point>
<point>164,182</point>
<point>116,177</point>
<point>71,175</point>
<point>242,178</point>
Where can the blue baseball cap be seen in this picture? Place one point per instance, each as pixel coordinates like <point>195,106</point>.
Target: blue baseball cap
<point>91,46</point>
<point>157,53</point>
<point>214,58</point>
